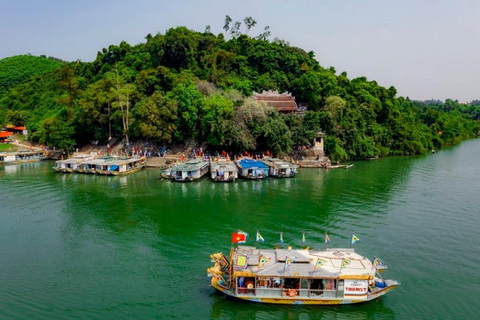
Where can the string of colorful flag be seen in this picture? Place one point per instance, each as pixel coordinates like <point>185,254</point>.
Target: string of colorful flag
<point>242,260</point>
<point>241,237</point>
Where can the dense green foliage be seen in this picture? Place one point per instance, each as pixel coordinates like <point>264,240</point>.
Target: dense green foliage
<point>469,111</point>
<point>16,69</point>
<point>191,87</point>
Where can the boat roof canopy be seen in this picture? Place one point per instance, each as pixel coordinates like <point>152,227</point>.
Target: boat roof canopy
<point>251,163</point>
<point>191,165</point>
<point>303,263</point>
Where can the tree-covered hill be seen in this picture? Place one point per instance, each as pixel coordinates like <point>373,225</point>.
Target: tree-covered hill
<point>14,70</point>
<point>196,87</point>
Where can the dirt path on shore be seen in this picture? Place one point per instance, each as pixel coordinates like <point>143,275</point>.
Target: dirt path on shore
<point>26,146</point>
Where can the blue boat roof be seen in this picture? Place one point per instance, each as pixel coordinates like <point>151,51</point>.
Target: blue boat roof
<point>251,163</point>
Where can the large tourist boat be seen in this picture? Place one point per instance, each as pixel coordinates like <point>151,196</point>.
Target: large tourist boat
<point>299,276</point>
<point>251,169</point>
<point>190,170</point>
<point>22,156</point>
<point>122,166</point>
<point>223,170</point>
<point>280,169</point>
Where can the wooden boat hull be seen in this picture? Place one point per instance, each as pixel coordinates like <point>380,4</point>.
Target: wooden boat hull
<point>281,176</point>
<point>125,173</point>
<point>231,178</point>
<point>104,172</point>
<point>165,172</point>
<point>22,161</point>
<point>63,170</point>
<point>253,177</point>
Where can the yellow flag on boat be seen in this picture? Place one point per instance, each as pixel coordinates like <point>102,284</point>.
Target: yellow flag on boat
<point>263,260</point>
<point>354,239</point>
<point>241,261</point>
<point>259,237</point>
<point>377,263</point>
<point>327,238</point>
<point>319,263</point>
<point>288,262</point>
<point>345,262</point>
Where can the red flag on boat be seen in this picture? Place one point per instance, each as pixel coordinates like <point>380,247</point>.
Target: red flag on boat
<point>224,153</point>
<point>268,153</point>
<point>246,153</point>
<point>239,237</point>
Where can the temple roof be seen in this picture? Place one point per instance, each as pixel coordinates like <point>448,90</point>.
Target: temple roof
<point>283,102</point>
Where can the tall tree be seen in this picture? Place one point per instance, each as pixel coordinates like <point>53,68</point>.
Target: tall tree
<point>123,92</point>
<point>249,23</point>
<point>156,117</point>
<point>71,84</point>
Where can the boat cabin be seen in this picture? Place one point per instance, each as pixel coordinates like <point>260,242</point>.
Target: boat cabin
<point>190,170</point>
<point>252,169</point>
<point>280,169</point>
<point>223,170</point>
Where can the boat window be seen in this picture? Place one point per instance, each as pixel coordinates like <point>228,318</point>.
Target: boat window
<point>316,287</point>
<point>291,283</point>
<point>340,291</point>
<point>329,284</point>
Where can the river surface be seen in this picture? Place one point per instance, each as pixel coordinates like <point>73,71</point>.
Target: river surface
<point>75,246</point>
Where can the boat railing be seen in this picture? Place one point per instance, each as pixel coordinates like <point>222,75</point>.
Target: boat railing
<point>286,292</point>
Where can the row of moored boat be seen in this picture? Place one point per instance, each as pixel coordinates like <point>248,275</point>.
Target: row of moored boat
<point>104,165</point>
<point>225,170</point>
<point>22,157</point>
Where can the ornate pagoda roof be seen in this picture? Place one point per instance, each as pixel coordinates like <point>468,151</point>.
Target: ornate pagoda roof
<point>283,102</point>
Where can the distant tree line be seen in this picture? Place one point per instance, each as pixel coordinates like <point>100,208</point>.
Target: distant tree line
<point>196,87</point>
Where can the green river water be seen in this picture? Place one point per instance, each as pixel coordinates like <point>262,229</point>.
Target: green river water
<point>76,246</point>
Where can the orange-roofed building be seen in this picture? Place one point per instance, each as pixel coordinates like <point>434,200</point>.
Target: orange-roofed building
<point>283,102</point>
<point>18,129</point>
<point>4,135</point>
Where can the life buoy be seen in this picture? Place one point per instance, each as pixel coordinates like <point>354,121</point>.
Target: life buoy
<point>249,285</point>
<point>292,292</point>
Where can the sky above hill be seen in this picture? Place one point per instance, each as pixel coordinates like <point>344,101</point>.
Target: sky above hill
<point>428,49</point>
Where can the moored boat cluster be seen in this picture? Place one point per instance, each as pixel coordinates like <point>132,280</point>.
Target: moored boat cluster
<point>103,165</point>
<point>225,170</point>
<point>22,156</point>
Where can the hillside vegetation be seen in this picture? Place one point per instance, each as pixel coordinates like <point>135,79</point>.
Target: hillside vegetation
<point>195,87</point>
<point>14,70</point>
